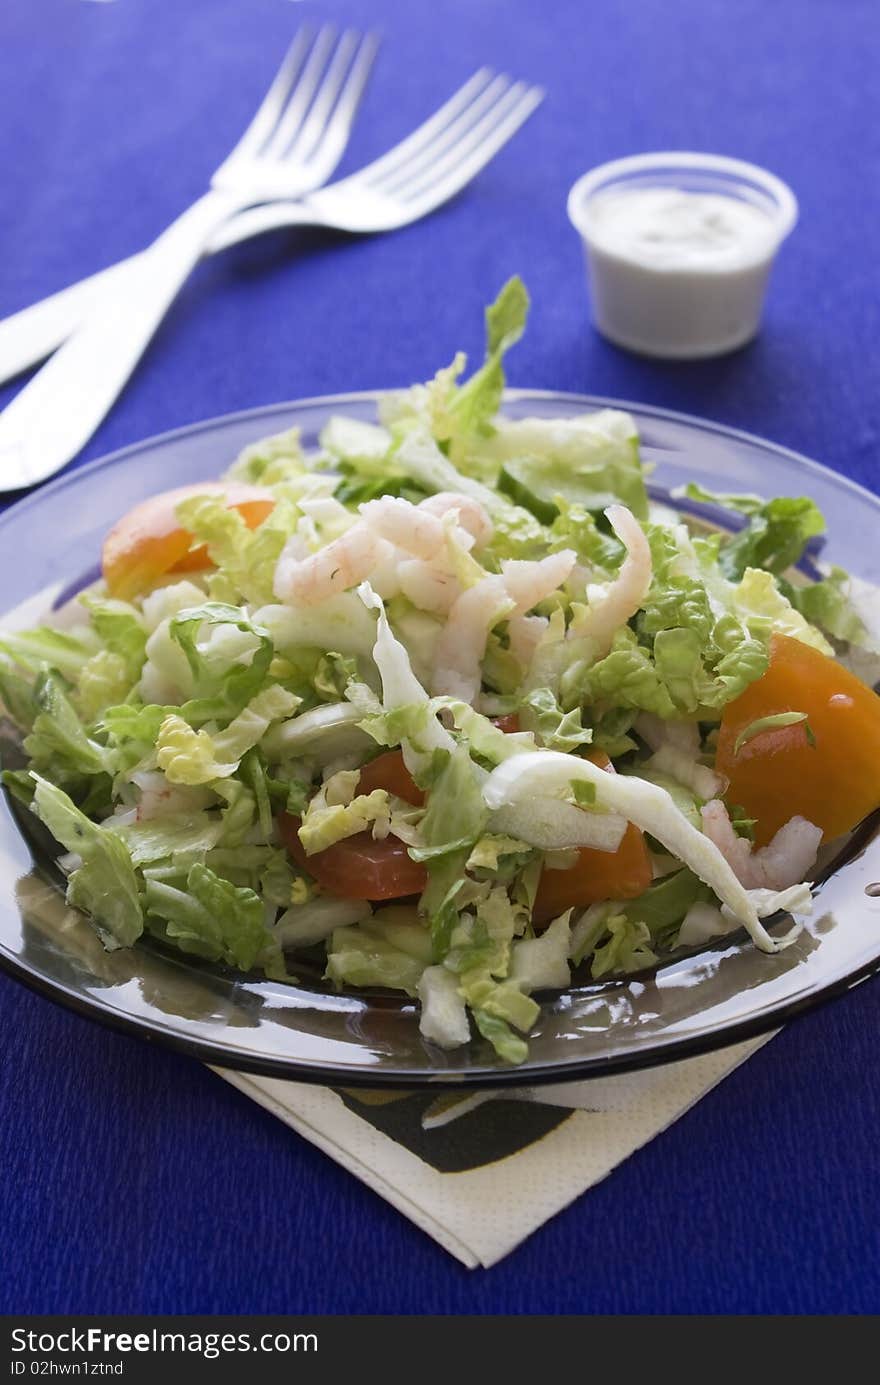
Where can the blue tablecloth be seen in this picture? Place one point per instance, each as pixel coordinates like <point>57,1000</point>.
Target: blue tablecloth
<point>132,1179</point>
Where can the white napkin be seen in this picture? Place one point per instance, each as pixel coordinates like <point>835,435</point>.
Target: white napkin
<point>481,1171</point>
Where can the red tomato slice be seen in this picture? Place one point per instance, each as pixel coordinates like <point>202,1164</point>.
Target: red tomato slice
<point>357,867</point>
<point>622,874</point>
<point>148,542</point>
<point>389,772</point>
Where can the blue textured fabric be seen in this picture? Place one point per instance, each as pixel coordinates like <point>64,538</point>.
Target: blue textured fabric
<point>135,1181</point>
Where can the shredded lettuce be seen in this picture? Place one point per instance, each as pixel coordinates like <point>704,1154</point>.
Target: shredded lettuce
<point>358,958</point>
<point>105,885</point>
<point>443,1019</point>
<point>325,824</point>
<point>45,647</point>
<point>775,535</point>
<point>210,917</point>
<point>58,743</point>
<point>542,962</point>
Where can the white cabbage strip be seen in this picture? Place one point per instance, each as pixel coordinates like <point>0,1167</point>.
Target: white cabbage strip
<point>315,920</point>
<point>554,825</point>
<point>401,688</point>
<point>545,772</point>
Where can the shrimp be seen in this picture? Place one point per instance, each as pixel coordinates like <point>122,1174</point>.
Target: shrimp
<point>430,586</point>
<point>341,564</point>
<point>405,525</point>
<point>620,600</point>
<point>525,634</point>
<point>461,646</point>
<point>528,583</point>
<point>784,861</point>
<point>471,515</point>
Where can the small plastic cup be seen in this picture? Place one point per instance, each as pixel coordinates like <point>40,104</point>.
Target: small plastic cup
<point>678,310</point>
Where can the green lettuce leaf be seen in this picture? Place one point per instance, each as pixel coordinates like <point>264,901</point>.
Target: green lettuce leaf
<point>827,604</point>
<point>121,628</point>
<point>557,730</point>
<point>17,696</point>
<point>759,599</point>
<point>271,461</point>
<point>58,742</point>
<point>211,917</point>
<point>245,557</point>
<point>44,647</point>
<point>158,839</point>
<point>456,811</point>
<point>664,904</point>
<point>588,461</point>
<point>473,405</point>
<point>627,948</point>
<point>775,536</point>
<point>105,886</point>
<point>104,681</point>
<point>506,1044</point>
<point>358,958</point>
<point>227,670</point>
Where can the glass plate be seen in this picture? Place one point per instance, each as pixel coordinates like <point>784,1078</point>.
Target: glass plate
<point>49,543</point>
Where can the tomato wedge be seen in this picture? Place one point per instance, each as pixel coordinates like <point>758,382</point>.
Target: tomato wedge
<point>389,772</point>
<point>360,868</point>
<point>148,541</point>
<point>622,874</point>
<point>829,775</point>
<point>357,867</point>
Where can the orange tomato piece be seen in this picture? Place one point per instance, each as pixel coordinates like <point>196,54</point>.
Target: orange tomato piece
<point>357,867</point>
<point>829,775</point>
<point>597,875</point>
<point>148,541</point>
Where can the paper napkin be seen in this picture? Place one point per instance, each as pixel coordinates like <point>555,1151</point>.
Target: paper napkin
<point>481,1171</point>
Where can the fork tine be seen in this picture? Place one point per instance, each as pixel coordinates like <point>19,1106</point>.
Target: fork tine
<point>352,59</point>
<point>329,142</point>
<point>273,102</point>
<point>300,97</point>
<point>479,148</point>
<point>426,131</point>
<point>447,138</point>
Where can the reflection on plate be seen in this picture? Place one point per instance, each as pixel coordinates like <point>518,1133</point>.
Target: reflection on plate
<point>688,1004</point>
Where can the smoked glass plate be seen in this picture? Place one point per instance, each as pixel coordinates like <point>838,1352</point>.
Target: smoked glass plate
<point>49,545</point>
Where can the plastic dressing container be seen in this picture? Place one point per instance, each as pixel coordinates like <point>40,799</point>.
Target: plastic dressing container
<point>679,247</point>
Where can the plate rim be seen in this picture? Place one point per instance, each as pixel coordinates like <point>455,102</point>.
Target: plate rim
<point>72,472</point>
<point>214,1054</point>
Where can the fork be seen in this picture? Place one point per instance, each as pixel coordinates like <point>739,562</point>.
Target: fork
<point>291,146</point>
<point>411,180</point>
<point>29,336</point>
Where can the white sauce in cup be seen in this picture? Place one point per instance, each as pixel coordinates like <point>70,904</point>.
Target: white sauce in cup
<point>666,228</point>
<point>679,268</point>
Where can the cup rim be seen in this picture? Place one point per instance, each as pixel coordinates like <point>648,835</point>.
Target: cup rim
<point>785,212</point>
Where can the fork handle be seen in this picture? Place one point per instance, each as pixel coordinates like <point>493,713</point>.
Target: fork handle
<point>48,422</point>
<point>29,336</point>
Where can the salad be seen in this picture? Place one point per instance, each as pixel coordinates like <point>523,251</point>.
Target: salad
<point>453,704</point>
